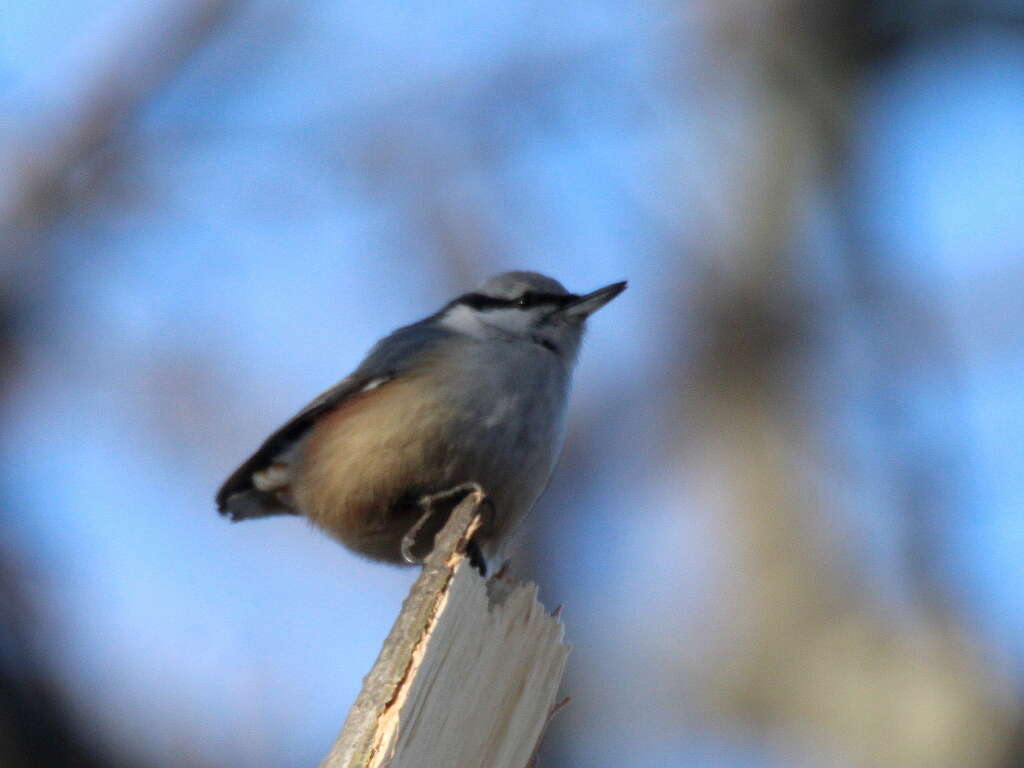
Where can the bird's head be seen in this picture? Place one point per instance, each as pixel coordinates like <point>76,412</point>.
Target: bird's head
<point>528,306</point>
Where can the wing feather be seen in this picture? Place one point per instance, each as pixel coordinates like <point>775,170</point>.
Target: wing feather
<point>239,498</point>
<point>286,437</point>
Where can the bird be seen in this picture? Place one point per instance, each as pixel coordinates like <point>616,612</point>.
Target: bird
<point>475,394</point>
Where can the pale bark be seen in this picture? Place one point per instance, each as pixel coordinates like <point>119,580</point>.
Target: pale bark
<point>468,675</point>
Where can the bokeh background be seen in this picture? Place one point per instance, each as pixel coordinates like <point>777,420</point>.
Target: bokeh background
<point>787,528</point>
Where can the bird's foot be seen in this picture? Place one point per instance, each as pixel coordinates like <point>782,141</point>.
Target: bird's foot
<point>447,499</point>
<point>452,495</point>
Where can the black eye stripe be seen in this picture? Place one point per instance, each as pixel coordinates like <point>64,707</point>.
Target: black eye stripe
<point>528,299</point>
<point>479,301</point>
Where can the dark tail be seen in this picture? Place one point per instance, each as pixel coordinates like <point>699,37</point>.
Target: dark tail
<point>252,504</point>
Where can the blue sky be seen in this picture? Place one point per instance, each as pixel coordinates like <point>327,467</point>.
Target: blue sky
<point>252,241</point>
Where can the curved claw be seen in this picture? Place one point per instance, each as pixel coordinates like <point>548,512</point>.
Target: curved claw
<point>409,540</point>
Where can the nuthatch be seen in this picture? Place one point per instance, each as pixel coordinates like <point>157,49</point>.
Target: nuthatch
<point>475,393</point>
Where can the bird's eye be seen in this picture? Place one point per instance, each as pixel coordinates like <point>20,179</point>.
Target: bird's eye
<point>523,301</point>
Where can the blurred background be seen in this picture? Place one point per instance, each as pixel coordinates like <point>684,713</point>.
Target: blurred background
<point>787,528</point>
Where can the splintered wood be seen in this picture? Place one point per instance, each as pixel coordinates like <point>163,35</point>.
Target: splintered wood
<point>468,675</point>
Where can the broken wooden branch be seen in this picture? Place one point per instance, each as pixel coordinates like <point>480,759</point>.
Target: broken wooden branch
<point>468,675</point>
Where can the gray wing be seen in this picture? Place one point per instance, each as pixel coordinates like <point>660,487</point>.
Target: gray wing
<point>240,499</point>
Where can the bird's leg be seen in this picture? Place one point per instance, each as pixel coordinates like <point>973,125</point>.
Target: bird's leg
<point>428,504</point>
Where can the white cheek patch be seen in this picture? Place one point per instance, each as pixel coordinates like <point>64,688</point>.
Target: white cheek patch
<point>465,320</point>
<point>483,323</point>
<point>515,321</point>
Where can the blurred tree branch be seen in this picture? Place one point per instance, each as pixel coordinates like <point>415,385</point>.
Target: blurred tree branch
<point>810,657</point>
<point>37,726</point>
<point>39,149</point>
<point>127,66</point>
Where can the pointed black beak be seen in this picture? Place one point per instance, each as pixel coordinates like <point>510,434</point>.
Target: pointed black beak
<point>586,305</point>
